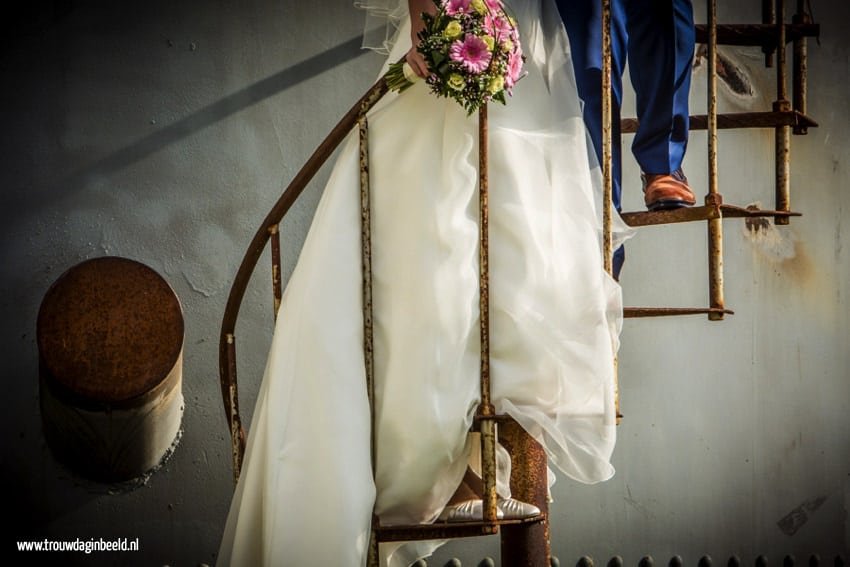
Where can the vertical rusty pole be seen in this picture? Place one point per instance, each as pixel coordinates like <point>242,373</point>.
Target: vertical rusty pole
<point>715,225</point>
<point>485,409</point>
<point>768,16</point>
<point>274,232</point>
<point>783,133</point>
<point>237,442</point>
<point>801,65</point>
<point>607,137</point>
<point>607,167</point>
<point>366,271</point>
<point>526,545</point>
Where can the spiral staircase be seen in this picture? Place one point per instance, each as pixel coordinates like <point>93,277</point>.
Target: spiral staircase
<point>526,542</point>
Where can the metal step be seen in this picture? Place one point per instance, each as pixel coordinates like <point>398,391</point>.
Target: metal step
<point>449,530</point>
<point>701,213</point>
<point>687,214</point>
<point>738,120</point>
<point>756,35</point>
<point>636,312</point>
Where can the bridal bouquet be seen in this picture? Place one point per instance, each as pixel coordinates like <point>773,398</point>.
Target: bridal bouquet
<point>473,52</point>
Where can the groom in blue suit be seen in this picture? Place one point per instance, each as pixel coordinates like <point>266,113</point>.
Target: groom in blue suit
<point>657,38</point>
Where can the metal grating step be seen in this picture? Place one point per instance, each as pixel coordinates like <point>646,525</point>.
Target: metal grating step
<point>738,120</point>
<point>701,213</point>
<point>763,35</point>
<point>446,530</point>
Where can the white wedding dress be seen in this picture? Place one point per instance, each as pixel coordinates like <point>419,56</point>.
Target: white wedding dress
<point>306,491</point>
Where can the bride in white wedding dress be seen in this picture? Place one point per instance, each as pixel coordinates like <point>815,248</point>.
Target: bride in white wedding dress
<point>306,491</point>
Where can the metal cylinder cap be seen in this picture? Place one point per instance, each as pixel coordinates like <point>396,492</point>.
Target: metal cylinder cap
<point>109,331</point>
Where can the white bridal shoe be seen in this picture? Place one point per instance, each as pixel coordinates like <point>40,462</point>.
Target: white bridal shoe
<point>473,510</point>
<point>514,509</point>
<point>466,511</point>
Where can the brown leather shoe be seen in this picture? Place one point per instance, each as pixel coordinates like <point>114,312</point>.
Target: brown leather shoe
<point>667,191</point>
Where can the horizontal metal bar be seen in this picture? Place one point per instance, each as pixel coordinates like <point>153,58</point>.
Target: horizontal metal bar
<point>733,212</point>
<point>446,530</point>
<point>683,214</point>
<point>763,35</point>
<point>738,120</point>
<point>705,212</point>
<point>635,312</point>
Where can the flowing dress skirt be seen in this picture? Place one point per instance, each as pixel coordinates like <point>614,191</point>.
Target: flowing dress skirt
<point>306,491</point>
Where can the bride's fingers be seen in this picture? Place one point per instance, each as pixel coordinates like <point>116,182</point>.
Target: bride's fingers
<point>417,63</point>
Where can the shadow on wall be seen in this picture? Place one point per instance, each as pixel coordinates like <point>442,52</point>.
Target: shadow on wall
<point>197,121</point>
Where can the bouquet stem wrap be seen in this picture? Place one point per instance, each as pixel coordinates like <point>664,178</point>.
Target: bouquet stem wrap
<point>400,76</point>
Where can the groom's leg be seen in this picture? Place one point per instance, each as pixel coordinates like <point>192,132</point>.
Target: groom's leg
<point>583,21</point>
<point>660,54</point>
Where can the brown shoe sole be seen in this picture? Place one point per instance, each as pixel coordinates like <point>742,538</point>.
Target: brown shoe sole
<point>668,204</point>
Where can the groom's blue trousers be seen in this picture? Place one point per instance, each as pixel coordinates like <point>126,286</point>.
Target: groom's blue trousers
<point>657,38</point>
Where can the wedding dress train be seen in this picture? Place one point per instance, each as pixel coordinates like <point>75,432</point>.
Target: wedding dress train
<point>306,492</point>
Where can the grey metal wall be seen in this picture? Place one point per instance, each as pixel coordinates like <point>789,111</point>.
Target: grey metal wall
<point>163,131</point>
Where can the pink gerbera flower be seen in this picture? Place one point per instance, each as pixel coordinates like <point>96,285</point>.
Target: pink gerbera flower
<point>494,5</point>
<point>514,73</point>
<point>497,26</point>
<point>454,7</point>
<point>471,53</point>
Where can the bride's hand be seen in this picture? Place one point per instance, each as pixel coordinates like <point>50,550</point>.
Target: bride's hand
<point>413,57</point>
<point>417,62</point>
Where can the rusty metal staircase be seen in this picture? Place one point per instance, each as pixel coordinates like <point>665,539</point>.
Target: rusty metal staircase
<point>526,542</point>
<point>787,116</point>
<point>522,539</point>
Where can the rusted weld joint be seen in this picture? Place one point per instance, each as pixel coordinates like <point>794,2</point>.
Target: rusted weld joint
<point>782,105</point>
<point>714,200</point>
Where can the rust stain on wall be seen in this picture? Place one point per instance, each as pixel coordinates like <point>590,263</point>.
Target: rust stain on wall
<point>781,249</point>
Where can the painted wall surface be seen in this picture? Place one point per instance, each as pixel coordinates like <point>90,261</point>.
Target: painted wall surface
<point>164,131</point>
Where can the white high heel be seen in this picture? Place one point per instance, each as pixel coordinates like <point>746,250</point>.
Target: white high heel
<point>473,510</point>
<point>513,509</point>
<point>466,511</point>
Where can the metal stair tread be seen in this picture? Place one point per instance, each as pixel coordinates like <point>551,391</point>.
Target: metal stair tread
<point>449,530</point>
<point>699,213</point>
<point>640,312</point>
<point>755,35</point>
<point>726,121</point>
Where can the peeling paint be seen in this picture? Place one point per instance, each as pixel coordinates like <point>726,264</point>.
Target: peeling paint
<point>735,77</point>
<point>797,518</point>
<point>777,244</point>
<point>204,291</point>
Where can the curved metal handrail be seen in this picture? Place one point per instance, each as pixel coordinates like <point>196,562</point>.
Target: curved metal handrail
<point>227,339</point>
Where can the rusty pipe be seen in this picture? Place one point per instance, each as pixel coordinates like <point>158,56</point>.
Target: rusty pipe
<point>715,225</point>
<point>782,133</point>
<point>800,72</point>
<point>768,16</point>
<point>485,408</point>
